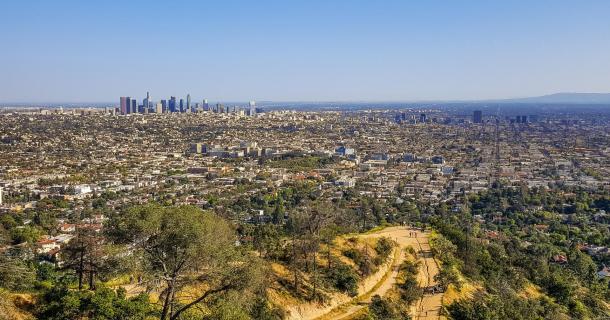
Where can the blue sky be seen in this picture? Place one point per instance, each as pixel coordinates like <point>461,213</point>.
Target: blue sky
<point>314,50</point>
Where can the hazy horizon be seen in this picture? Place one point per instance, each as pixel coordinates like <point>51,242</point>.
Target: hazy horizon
<point>448,101</point>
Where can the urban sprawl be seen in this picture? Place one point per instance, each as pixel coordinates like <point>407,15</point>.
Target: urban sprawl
<point>83,167</point>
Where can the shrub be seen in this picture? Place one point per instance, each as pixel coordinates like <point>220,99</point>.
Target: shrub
<point>383,309</point>
<point>384,247</point>
<point>343,278</point>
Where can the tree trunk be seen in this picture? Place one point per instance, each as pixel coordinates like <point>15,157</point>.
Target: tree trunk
<point>171,309</point>
<point>91,276</point>
<point>315,276</point>
<point>167,300</point>
<point>294,263</point>
<point>364,221</point>
<point>81,267</point>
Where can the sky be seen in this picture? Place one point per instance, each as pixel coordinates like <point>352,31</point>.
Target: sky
<point>301,50</point>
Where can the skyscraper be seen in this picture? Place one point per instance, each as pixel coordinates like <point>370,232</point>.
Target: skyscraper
<point>188,102</point>
<point>477,116</point>
<point>125,105</point>
<point>147,104</point>
<point>422,117</point>
<point>252,110</point>
<point>164,106</point>
<point>134,106</point>
<point>206,106</point>
<point>181,105</point>
<point>172,104</point>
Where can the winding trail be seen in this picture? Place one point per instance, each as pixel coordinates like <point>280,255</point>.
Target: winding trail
<point>427,308</point>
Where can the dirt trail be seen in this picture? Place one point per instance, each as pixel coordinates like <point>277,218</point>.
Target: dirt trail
<point>427,308</point>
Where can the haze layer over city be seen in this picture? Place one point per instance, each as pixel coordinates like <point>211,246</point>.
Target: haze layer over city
<point>304,160</point>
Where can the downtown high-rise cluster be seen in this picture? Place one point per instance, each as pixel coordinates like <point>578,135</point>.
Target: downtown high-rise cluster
<point>175,105</point>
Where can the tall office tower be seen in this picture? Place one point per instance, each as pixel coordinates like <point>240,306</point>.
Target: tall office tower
<point>252,110</point>
<point>159,107</point>
<point>422,117</point>
<point>134,106</point>
<point>523,119</point>
<point>197,107</point>
<point>146,103</point>
<point>125,105</point>
<point>172,104</point>
<point>206,106</point>
<point>181,105</point>
<point>218,107</point>
<point>188,102</point>
<point>477,116</point>
<point>128,105</point>
<point>164,106</point>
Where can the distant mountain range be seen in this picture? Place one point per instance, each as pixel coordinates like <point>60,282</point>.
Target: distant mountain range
<point>564,97</point>
<point>555,98</point>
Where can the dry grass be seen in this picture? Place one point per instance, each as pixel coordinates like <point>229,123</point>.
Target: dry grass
<point>531,291</point>
<point>466,291</point>
<point>14,306</point>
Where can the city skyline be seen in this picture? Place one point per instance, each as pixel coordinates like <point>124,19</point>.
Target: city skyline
<point>129,105</point>
<point>569,98</point>
<point>314,51</point>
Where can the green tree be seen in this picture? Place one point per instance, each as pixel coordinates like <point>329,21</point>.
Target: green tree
<point>61,303</point>
<point>15,274</point>
<point>83,255</point>
<point>383,309</point>
<point>184,247</point>
<point>343,278</point>
<point>27,234</point>
<point>267,240</point>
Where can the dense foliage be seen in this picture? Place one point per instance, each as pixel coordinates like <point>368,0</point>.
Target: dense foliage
<point>525,251</point>
<point>508,239</point>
